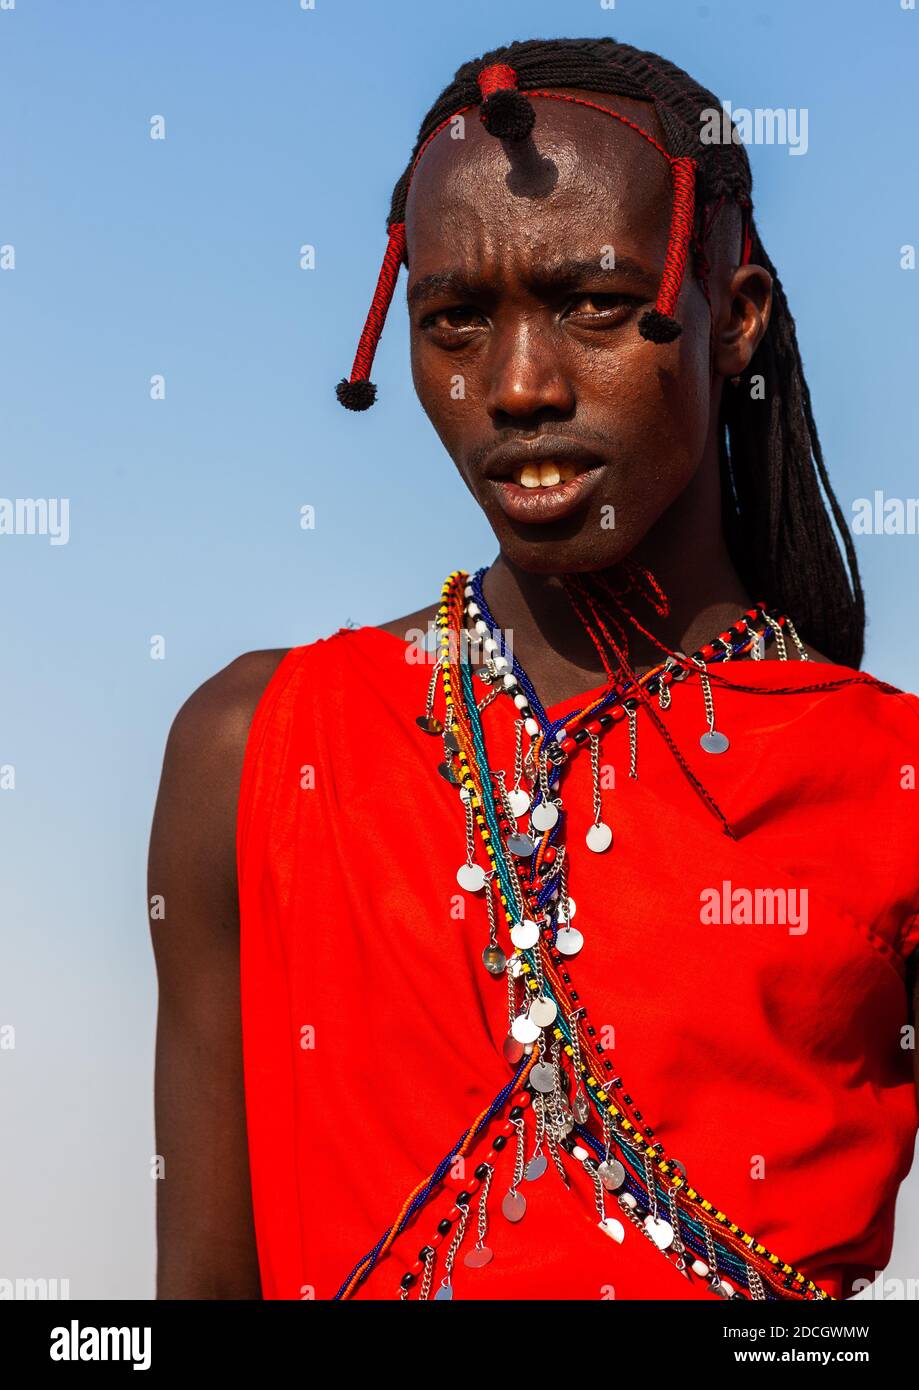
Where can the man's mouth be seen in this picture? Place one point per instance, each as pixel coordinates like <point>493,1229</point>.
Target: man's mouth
<point>546,473</point>
<point>547,490</point>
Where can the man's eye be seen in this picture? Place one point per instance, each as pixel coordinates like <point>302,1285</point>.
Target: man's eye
<point>458,316</point>
<point>588,305</point>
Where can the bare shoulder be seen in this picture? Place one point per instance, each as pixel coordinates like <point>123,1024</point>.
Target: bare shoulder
<point>194,821</point>
<point>216,717</point>
<point>401,627</point>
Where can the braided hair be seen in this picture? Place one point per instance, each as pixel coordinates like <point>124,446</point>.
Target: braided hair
<point>778,507</point>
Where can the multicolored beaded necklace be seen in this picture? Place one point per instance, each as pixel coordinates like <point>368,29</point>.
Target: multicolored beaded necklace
<point>581,1106</point>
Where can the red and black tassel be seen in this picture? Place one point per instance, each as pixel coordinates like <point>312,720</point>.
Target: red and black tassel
<point>358,392</point>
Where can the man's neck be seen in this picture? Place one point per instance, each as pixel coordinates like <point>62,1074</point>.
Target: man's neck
<point>551,644</point>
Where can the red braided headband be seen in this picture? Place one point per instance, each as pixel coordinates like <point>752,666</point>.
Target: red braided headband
<point>506,113</point>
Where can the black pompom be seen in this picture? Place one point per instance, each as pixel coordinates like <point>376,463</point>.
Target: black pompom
<point>508,115</point>
<point>356,395</point>
<point>658,327</point>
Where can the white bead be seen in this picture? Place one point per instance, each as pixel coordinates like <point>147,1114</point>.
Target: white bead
<point>628,1200</point>
<point>520,701</point>
<point>727,1289</point>
<point>531,727</point>
<point>699,1267</point>
<point>474,610</point>
<point>510,682</point>
<point>501,662</point>
<point>579,1153</point>
<point>490,644</point>
<point>481,628</point>
<point>467,592</point>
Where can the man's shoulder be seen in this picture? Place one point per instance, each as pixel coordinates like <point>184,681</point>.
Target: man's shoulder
<point>411,623</point>
<point>214,721</point>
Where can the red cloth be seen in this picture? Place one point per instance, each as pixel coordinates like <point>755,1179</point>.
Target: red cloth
<point>769,1063</point>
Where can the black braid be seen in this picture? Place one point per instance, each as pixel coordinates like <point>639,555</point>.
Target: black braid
<point>775,489</point>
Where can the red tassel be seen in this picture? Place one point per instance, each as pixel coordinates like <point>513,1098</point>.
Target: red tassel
<point>358,392</point>
<point>658,324</point>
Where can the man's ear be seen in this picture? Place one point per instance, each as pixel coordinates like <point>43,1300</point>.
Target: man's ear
<point>749,303</point>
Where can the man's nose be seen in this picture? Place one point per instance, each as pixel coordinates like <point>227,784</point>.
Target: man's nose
<point>528,373</point>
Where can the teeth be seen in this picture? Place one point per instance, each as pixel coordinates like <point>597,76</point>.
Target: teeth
<point>546,474</point>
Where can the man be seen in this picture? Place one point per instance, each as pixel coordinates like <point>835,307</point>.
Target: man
<point>611,415</point>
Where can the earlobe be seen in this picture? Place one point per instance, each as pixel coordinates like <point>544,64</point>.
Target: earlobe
<point>749,303</point>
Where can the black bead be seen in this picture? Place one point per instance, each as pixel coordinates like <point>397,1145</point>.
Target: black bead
<point>444,1226</point>
<point>424,1252</point>
<point>500,1143</point>
<point>513,1114</point>
<point>406,1281</point>
<point>581,736</point>
<point>462,1198</point>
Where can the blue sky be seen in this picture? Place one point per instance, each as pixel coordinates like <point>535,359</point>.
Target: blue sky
<point>179,257</point>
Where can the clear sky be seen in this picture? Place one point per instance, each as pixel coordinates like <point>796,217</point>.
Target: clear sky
<point>179,258</point>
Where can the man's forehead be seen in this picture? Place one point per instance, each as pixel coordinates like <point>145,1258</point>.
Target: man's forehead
<point>576,154</point>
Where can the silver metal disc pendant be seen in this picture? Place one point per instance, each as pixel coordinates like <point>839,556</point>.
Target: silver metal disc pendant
<point>429,724</point>
<point>543,1012</point>
<point>599,837</point>
<point>564,916</point>
<point>525,934</point>
<point>542,1078</point>
<point>479,1257</point>
<point>514,1206</point>
<point>714,742</point>
<point>565,1118</point>
<point>661,1232</point>
<point>494,960</point>
<point>521,845</point>
<point>445,1291</point>
<point>536,1167</point>
<point>581,1108</point>
<point>612,1174</point>
<point>544,816</point>
<point>569,941</point>
<point>519,802</point>
<point>512,1049</point>
<point>471,877</point>
<point>523,1030</point>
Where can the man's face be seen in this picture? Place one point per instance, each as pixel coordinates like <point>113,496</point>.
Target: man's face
<point>528,273</point>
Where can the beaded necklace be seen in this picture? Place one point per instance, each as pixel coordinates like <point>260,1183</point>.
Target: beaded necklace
<point>582,1108</point>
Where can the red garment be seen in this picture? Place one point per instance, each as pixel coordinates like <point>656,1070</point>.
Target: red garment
<point>748,1048</point>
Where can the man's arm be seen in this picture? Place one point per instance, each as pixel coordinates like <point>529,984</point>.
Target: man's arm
<point>205,1234</point>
